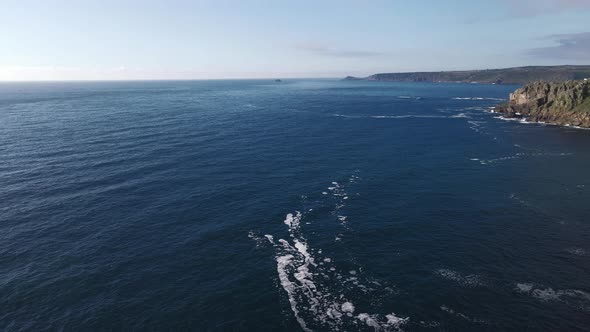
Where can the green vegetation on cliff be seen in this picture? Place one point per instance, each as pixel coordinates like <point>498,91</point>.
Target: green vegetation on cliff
<point>518,75</point>
<point>563,103</point>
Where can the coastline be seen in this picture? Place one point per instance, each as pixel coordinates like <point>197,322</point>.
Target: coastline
<point>524,120</point>
<point>558,103</point>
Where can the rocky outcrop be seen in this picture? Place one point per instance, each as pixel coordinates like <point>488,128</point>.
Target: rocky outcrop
<point>562,103</point>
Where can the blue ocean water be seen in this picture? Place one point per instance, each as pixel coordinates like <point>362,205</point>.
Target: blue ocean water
<point>317,205</point>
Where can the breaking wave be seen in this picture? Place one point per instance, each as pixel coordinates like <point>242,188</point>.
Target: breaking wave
<point>572,297</point>
<point>521,155</point>
<point>578,252</point>
<point>525,121</point>
<point>477,98</point>
<point>402,116</point>
<point>316,287</point>
<point>469,280</point>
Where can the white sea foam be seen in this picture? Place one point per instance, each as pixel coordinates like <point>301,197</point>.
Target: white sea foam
<point>460,115</point>
<point>315,303</point>
<point>510,119</point>
<point>260,240</point>
<point>347,116</point>
<point>400,116</point>
<point>269,238</point>
<point>578,251</point>
<point>394,321</point>
<point>524,120</point>
<point>462,315</point>
<point>252,235</point>
<point>312,302</point>
<point>339,193</point>
<point>577,127</point>
<point>524,155</point>
<point>347,307</point>
<point>477,98</point>
<point>293,220</point>
<point>574,297</point>
<point>517,198</point>
<point>282,263</point>
<point>524,287</point>
<point>406,116</point>
<point>317,290</point>
<point>475,125</point>
<point>469,280</point>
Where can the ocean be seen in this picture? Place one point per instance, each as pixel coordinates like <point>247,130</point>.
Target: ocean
<point>302,205</point>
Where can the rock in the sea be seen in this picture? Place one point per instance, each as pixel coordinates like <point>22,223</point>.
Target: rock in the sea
<point>562,103</point>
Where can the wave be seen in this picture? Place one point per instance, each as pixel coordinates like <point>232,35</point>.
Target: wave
<point>521,201</point>
<point>525,121</point>
<point>480,129</point>
<point>348,116</point>
<point>521,120</point>
<point>403,116</point>
<point>462,315</point>
<point>470,280</point>
<point>316,287</point>
<point>409,97</point>
<point>303,273</point>
<point>477,98</point>
<point>340,195</point>
<point>572,297</point>
<point>522,155</point>
<point>578,251</point>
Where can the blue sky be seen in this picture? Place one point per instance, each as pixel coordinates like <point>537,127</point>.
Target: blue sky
<point>177,39</point>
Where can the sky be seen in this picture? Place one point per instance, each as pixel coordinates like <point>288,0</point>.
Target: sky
<point>181,39</point>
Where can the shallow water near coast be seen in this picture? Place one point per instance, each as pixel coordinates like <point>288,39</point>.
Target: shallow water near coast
<point>304,205</point>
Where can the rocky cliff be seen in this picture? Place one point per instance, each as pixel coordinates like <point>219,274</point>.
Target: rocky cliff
<point>563,103</point>
<point>517,75</point>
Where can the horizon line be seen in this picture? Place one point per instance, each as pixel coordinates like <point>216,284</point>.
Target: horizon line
<point>271,78</point>
<point>169,79</point>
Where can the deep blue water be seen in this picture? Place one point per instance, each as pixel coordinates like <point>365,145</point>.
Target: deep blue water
<point>308,204</point>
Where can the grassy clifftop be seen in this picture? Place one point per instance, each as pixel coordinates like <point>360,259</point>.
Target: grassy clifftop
<point>518,75</point>
<point>563,103</point>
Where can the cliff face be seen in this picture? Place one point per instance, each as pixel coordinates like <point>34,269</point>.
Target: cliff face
<point>563,103</point>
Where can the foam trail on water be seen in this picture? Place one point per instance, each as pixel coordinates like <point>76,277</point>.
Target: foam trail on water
<point>573,297</point>
<point>470,280</point>
<point>321,295</point>
<point>313,300</point>
<point>462,315</point>
<point>476,98</point>
<point>521,155</point>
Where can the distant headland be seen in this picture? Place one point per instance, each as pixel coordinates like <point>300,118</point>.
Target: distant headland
<point>517,75</point>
